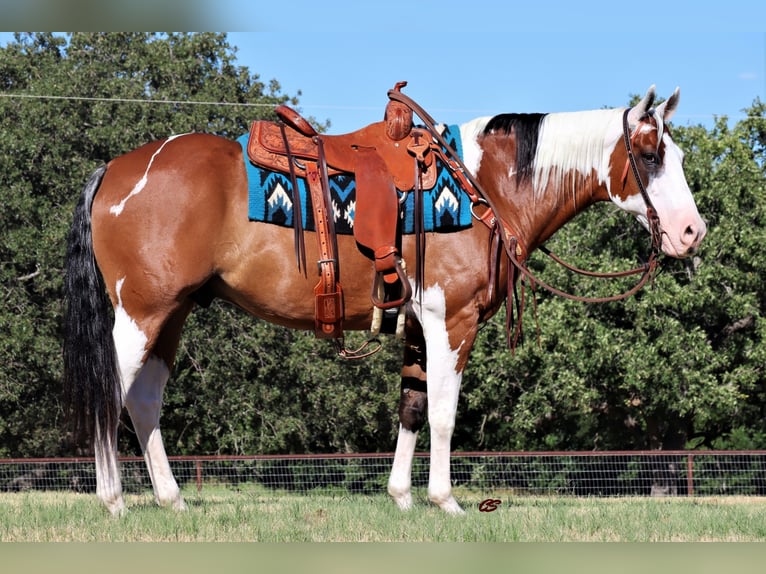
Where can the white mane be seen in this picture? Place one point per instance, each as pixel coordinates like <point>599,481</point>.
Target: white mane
<point>580,141</point>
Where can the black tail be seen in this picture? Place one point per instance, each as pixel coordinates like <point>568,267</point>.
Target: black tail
<point>91,375</point>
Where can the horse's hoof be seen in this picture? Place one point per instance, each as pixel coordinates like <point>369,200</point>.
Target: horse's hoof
<point>176,503</point>
<point>117,508</point>
<point>453,508</point>
<point>403,500</point>
<point>449,505</point>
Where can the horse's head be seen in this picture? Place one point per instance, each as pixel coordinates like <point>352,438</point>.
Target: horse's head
<point>657,165</point>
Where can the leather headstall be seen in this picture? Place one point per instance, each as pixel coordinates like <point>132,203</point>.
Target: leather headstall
<point>651,213</point>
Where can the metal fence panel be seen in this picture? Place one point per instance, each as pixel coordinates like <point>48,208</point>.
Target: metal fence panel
<point>602,474</point>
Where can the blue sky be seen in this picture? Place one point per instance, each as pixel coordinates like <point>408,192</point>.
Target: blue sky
<point>468,58</point>
<point>463,59</point>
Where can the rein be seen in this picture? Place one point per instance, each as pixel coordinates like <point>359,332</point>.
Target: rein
<point>511,243</point>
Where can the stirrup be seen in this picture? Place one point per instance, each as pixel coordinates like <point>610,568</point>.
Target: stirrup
<point>379,316</point>
<point>377,289</point>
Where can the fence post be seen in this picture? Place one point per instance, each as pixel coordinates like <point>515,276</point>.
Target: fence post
<point>690,474</point>
<point>199,475</point>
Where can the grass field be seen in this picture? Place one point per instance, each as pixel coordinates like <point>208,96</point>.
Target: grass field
<point>223,515</point>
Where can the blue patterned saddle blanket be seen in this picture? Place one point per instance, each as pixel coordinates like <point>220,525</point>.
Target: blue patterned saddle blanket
<point>270,197</point>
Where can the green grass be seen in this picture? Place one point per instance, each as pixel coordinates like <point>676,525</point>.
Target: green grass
<point>257,515</point>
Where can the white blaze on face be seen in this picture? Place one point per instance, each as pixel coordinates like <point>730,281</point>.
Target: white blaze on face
<point>682,226</point>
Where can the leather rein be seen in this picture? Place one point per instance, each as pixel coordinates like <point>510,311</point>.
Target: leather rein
<point>513,246</point>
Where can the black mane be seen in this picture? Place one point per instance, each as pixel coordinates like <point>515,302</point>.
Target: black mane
<point>526,129</point>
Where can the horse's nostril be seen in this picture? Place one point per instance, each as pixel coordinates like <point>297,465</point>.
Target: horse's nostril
<point>691,235</point>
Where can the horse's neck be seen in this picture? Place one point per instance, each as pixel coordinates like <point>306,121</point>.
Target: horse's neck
<point>569,172</point>
<point>546,211</point>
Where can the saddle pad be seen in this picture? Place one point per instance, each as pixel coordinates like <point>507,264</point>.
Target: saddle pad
<point>270,197</point>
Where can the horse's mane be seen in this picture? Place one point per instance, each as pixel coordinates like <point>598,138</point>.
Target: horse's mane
<point>548,146</point>
<point>526,129</point>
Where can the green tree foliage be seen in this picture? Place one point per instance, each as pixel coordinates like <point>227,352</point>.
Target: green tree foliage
<point>679,364</point>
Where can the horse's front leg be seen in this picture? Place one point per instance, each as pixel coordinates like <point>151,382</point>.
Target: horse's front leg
<point>449,339</point>
<point>412,413</point>
<point>431,351</point>
<point>444,379</point>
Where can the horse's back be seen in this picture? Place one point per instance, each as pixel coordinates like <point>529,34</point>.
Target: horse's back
<point>177,168</point>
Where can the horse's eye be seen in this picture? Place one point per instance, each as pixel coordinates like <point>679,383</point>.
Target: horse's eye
<point>651,159</point>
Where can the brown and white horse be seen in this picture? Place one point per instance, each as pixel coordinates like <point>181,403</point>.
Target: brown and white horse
<point>166,224</point>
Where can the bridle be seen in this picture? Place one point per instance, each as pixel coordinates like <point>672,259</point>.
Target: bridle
<point>504,237</point>
<point>647,270</point>
<point>651,214</point>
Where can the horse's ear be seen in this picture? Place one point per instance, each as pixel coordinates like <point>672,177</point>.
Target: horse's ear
<point>667,108</point>
<point>639,110</point>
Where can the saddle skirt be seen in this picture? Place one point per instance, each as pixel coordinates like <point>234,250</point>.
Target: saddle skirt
<point>447,208</point>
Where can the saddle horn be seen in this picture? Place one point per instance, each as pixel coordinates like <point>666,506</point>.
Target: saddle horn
<point>398,117</point>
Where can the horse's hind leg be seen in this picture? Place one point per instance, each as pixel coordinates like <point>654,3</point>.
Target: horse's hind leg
<point>108,483</point>
<point>143,385</point>
<point>144,400</point>
<point>412,414</point>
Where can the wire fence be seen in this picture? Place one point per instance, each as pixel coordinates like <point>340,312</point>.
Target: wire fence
<point>600,474</point>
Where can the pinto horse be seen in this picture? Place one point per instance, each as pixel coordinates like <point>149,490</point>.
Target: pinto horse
<point>163,225</point>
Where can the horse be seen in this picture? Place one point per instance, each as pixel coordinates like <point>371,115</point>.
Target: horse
<point>161,227</point>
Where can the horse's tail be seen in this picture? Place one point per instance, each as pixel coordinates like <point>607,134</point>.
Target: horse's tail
<point>91,374</point>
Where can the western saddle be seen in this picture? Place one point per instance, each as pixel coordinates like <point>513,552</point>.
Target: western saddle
<point>384,157</point>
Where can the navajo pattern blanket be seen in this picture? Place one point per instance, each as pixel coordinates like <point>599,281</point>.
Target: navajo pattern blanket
<point>446,206</point>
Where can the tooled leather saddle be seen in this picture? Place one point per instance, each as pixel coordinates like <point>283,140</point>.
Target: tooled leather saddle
<point>383,157</point>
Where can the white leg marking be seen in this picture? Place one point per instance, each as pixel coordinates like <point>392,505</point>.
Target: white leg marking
<point>129,340</point>
<point>400,480</point>
<point>117,209</point>
<point>144,401</point>
<point>108,483</point>
<point>443,383</point>
<point>142,386</point>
